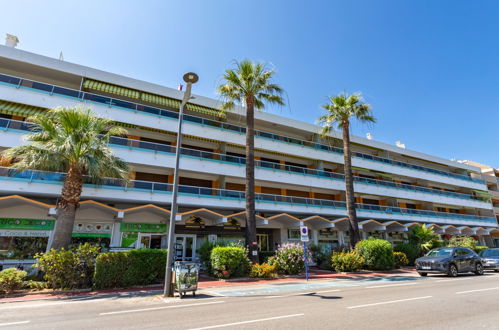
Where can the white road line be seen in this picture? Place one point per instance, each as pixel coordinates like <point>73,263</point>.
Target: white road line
<point>326,291</point>
<point>20,304</point>
<point>478,290</point>
<point>289,295</point>
<point>389,285</point>
<point>246,322</point>
<point>13,323</point>
<point>389,302</point>
<point>159,308</point>
<point>455,279</point>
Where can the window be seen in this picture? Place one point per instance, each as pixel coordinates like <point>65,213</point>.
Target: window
<point>293,234</point>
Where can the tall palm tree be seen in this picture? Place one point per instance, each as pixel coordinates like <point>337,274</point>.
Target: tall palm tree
<point>423,237</point>
<point>250,85</point>
<point>339,111</point>
<point>73,141</point>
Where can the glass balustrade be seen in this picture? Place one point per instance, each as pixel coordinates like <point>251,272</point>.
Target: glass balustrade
<point>112,102</point>
<point>13,124</point>
<point>53,177</point>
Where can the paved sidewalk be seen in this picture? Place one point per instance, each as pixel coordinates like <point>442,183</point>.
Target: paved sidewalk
<point>315,275</point>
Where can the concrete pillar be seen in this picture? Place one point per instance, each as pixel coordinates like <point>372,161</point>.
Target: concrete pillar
<point>319,164</point>
<point>116,235</point>
<point>221,181</point>
<point>341,238</point>
<point>315,236</point>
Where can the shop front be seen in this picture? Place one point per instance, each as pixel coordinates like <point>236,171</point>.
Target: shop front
<point>143,235</point>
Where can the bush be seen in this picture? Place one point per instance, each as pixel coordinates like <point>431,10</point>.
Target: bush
<point>229,261</point>
<point>133,267</point>
<point>11,280</point>
<point>289,258</point>
<point>263,270</point>
<point>409,250</point>
<point>36,285</point>
<point>67,269</point>
<point>377,254</point>
<point>346,261</point>
<point>400,259</point>
<point>463,241</point>
<point>263,256</point>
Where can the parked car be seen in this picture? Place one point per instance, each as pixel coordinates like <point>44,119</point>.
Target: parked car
<point>450,261</point>
<point>490,259</point>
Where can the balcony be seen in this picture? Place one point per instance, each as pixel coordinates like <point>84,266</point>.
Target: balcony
<point>267,171</point>
<point>140,108</point>
<point>35,182</point>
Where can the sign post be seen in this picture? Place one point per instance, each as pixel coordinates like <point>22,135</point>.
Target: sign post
<point>304,238</point>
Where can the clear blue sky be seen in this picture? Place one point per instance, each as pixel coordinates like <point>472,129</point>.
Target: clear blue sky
<point>429,68</point>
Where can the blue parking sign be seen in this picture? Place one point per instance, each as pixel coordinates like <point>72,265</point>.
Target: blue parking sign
<point>304,233</point>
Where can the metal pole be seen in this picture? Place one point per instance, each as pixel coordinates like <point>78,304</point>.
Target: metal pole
<point>306,261</point>
<point>168,290</point>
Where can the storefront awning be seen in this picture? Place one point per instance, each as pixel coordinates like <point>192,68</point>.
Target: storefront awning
<point>111,89</point>
<point>18,109</point>
<point>241,217</point>
<point>318,222</point>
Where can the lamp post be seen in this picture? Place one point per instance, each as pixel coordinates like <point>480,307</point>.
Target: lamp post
<point>190,78</point>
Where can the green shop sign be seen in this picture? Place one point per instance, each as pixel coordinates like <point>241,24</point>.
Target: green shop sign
<point>130,227</point>
<point>105,235</point>
<point>27,224</point>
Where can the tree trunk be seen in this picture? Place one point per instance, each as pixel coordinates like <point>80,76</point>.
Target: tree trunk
<point>350,195</point>
<point>66,208</point>
<point>250,181</point>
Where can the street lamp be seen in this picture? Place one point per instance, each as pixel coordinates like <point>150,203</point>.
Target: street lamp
<point>190,78</point>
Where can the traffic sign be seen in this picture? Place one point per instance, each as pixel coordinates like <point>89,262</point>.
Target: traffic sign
<point>304,233</point>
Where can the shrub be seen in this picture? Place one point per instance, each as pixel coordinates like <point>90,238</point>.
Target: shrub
<point>423,238</point>
<point>377,253</point>
<point>263,256</point>
<point>36,285</point>
<point>263,270</point>
<point>463,241</point>
<point>204,251</point>
<point>133,267</point>
<point>289,258</point>
<point>346,261</point>
<point>409,250</point>
<point>11,280</point>
<point>229,261</point>
<point>400,259</point>
<point>67,269</point>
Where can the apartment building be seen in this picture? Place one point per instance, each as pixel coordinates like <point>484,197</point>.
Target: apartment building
<point>299,176</point>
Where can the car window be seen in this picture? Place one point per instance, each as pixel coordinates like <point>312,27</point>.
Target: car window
<point>463,252</point>
<point>490,253</point>
<point>440,252</point>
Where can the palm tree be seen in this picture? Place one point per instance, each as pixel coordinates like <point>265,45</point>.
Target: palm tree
<point>73,141</point>
<point>249,84</point>
<point>423,238</point>
<point>340,110</point>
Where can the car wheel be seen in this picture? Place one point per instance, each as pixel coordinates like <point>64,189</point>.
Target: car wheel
<point>479,269</point>
<point>452,270</point>
<point>423,274</point>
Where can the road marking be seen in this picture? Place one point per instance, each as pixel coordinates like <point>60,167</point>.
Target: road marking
<point>159,308</point>
<point>246,322</point>
<point>289,295</point>
<point>478,290</point>
<point>389,302</point>
<point>389,285</point>
<point>20,304</point>
<point>455,279</point>
<point>13,323</point>
<point>326,291</point>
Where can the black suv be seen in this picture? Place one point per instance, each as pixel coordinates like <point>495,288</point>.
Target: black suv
<point>450,261</point>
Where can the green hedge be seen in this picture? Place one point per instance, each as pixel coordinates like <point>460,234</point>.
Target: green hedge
<point>346,261</point>
<point>133,267</point>
<point>409,250</point>
<point>377,254</point>
<point>229,261</point>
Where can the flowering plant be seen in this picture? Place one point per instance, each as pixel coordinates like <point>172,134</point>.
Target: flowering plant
<point>290,258</point>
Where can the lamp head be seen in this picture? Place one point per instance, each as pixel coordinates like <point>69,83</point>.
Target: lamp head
<point>191,77</point>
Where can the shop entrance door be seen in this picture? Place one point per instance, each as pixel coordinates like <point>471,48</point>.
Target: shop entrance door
<point>144,241</point>
<point>185,247</point>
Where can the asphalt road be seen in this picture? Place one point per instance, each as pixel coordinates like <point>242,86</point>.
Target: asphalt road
<point>466,302</point>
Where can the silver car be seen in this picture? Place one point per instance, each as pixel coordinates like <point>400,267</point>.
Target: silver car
<point>490,259</point>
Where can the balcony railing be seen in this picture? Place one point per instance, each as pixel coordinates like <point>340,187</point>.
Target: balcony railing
<point>151,146</point>
<point>158,187</point>
<point>112,102</point>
